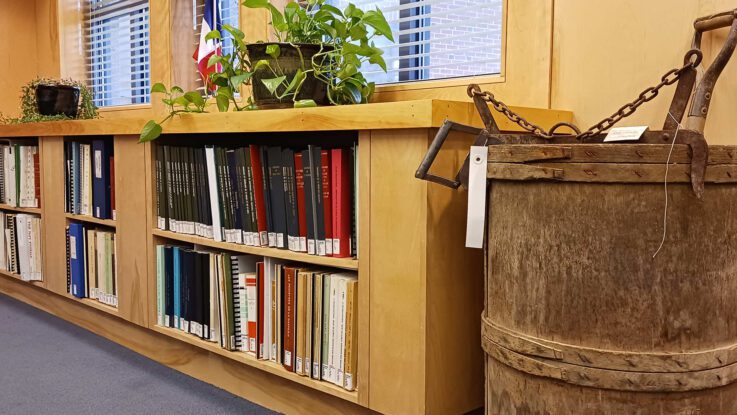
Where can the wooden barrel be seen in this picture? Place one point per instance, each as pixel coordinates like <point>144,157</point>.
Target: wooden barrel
<point>579,317</point>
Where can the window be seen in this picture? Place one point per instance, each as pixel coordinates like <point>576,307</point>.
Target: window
<point>228,15</point>
<point>117,44</point>
<point>437,39</point>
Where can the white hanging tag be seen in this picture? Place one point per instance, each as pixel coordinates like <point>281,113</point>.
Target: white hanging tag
<point>476,197</point>
<point>625,134</point>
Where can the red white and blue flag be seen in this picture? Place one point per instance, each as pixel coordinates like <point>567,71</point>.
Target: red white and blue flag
<point>207,48</point>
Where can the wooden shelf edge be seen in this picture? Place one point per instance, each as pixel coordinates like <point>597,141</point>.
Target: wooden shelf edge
<point>273,368</point>
<point>342,263</point>
<point>89,302</point>
<point>19,278</point>
<point>35,211</point>
<point>91,219</point>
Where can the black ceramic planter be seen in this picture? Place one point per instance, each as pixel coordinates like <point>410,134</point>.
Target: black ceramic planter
<point>289,61</point>
<point>57,99</point>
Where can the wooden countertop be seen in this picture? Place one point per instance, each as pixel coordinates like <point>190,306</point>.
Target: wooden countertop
<point>380,116</point>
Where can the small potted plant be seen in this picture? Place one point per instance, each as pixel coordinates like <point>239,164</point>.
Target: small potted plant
<point>45,99</point>
<point>315,60</point>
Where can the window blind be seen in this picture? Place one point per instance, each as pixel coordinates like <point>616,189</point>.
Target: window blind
<point>117,45</point>
<point>437,39</point>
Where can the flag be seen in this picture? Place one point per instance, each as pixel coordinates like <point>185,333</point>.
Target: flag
<point>207,48</point>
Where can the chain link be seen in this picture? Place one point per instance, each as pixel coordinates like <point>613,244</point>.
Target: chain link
<point>625,111</point>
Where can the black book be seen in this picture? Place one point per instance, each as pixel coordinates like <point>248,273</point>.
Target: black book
<point>243,158</point>
<point>250,197</point>
<point>225,195</point>
<point>309,202</point>
<point>193,199</point>
<point>162,192</point>
<point>318,215</point>
<point>177,187</point>
<point>276,191</point>
<point>169,284</point>
<point>290,196</point>
<point>184,271</point>
<point>266,184</point>
<point>196,295</point>
<point>203,193</point>
<point>236,184</point>
<point>168,191</point>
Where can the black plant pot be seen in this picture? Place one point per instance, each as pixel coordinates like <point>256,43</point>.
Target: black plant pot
<point>57,99</point>
<point>289,61</point>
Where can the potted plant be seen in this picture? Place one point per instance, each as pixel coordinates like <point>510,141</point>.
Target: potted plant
<point>315,60</point>
<point>45,99</point>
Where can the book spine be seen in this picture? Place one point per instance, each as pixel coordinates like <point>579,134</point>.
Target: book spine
<point>276,191</point>
<point>212,181</point>
<point>327,200</point>
<point>299,366</point>
<point>317,326</point>
<point>252,217</point>
<point>258,195</point>
<point>289,317</point>
<point>317,200</point>
<point>36,178</point>
<point>112,187</point>
<point>326,327</point>
<point>246,193</point>
<point>299,177</point>
<point>309,202</point>
<point>252,313</point>
<point>290,199</point>
<point>266,173</point>
<point>160,285</point>
<point>262,321</point>
<point>351,334</point>
<point>68,261</point>
<point>342,200</point>
<point>309,296</point>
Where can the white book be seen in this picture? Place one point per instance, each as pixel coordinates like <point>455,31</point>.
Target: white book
<point>266,318</point>
<point>4,253</point>
<point>27,191</point>
<point>217,229</point>
<point>21,228</point>
<point>333,329</point>
<point>341,331</point>
<point>214,303</point>
<point>10,185</point>
<point>160,284</point>
<point>38,263</point>
<point>251,315</point>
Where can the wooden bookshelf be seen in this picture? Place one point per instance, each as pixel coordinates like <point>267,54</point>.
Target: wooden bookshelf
<point>35,211</point>
<point>420,291</point>
<point>19,278</point>
<point>343,263</point>
<point>91,219</point>
<point>270,367</point>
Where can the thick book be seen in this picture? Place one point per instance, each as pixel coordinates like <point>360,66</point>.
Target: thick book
<point>317,332</point>
<point>102,150</point>
<point>318,214</point>
<point>327,305</point>
<point>266,176</point>
<point>160,287</point>
<point>290,200</point>
<point>289,318</point>
<point>91,261</point>
<point>327,204</point>
<point>252,316</point>
<point>111,163</point>
<point>177,274</point>
<point>299,178</point>
<point>236,193</point>
<point>277,194</point>
<point>350,355</point>
<point>263,313</point>
<point>341,201</point>
<point>300,330</point>
<point>258,195</point>
<point>169,287</point>
<point>76,258</point>
<point>309,298</point>
<point>246,192</point>
<point>68,264</point>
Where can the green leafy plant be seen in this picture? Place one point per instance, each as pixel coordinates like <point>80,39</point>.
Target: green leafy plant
<point>347,42</point>
<point>29,109</point>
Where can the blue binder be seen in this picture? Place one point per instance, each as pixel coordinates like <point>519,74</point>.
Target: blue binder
<point>101,152</point>
<point>76,259</point>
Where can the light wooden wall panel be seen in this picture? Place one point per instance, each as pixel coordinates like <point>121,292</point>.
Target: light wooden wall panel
<point>18,54</point>
<point>605,53</point>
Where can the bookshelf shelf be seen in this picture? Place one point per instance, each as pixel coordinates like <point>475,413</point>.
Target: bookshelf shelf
<point>273,368</point>
<point>342,263</point>
<point>35,211</point>
<point>18,277</point>
<point>91,219</point>
<point>94,304</point>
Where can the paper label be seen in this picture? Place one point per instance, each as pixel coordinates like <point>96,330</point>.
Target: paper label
<point>73,247</point>
<point>625,134</point>
<point>98,164</point>
<point>476,197</point>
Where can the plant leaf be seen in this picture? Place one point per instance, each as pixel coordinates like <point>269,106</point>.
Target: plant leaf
<point>223,102</point>
<point>159,88</point>
<point>183,101</point>
<point>151,131</point>
<point>214,59</point>
<point>177,89</point>
<point>376,19</point>
<point>354,92</point>
<point>195,98</point>
<point>237,80</point>
<point>260,64</point>
<point>213,34</point>
<point>273,50</point>
<point>273,83</point>
<point>305,103</point>
<point>296,83</point>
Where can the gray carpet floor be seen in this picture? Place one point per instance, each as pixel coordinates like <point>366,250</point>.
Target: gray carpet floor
<point>49,366</point>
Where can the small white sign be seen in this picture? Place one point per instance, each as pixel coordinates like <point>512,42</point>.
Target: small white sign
<point>476,197</point>
<point>625,134</point>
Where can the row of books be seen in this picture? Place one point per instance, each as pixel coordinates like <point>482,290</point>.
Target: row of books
<point>20,184</point>
<point>288,198</point>
<point>90,178</point>
<point>91,263</point>
<point>302,318</point>
<point>20,237</point>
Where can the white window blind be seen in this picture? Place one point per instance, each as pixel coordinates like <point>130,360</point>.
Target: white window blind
<point>437,39</point>
<point>229,15</point>
<point>117,45</point>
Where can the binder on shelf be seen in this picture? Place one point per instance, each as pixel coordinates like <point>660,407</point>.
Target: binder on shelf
<point>101,188</point>
<point>76,259</point>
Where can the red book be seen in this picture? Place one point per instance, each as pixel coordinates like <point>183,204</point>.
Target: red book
<point>112,186</point>
<point>261,311</point>
<point>299,174</point>
<point>290,317</point>
<point>258,190</point>
<point>37,178</point>
<point>252,304</point>
<point>327,200</point>
<point>342,199</point>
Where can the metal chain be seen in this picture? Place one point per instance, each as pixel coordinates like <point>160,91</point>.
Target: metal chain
<point>625,111</point>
